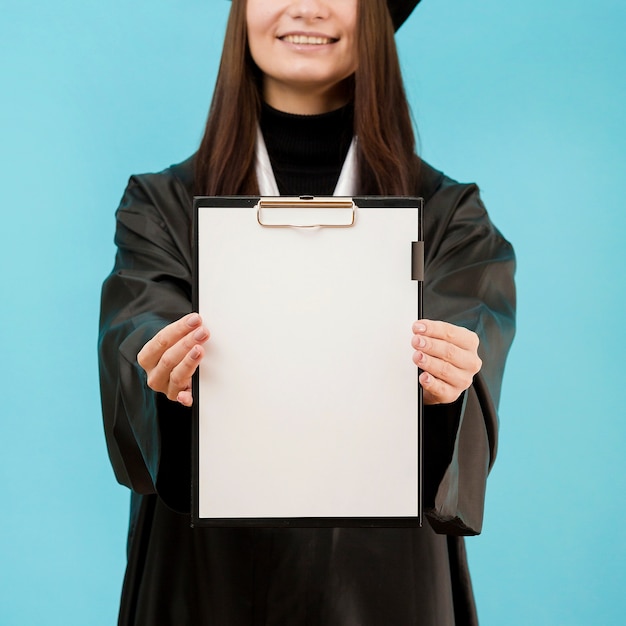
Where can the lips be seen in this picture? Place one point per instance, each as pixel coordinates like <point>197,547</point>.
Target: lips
<point>308,40</point>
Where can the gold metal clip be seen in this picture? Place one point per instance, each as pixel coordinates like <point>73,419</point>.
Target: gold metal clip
<point>320,212</point>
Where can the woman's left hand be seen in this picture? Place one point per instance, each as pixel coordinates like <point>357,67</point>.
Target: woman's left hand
<point>448,357</point>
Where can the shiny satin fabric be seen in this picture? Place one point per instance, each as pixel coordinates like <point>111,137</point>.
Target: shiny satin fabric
<point>285,577</point>
<point>367,577</point>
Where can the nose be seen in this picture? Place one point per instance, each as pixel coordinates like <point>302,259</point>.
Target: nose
<point>309,10</point>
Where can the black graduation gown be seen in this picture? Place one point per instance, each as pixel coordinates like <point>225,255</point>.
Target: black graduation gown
<point>181,576</point>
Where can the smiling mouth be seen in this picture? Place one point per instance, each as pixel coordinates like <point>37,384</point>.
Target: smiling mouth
<point>308,40</point>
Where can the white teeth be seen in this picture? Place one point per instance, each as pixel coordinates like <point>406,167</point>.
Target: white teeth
<point>306,40</point>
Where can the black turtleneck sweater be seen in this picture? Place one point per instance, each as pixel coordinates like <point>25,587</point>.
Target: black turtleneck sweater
<point>307,152</point>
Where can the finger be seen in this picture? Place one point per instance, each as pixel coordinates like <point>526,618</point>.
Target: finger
<point>444,371</point>
<point>150,355</point>
<point>185,398</point>
<point>461,358</point>
<point>457,335</point>
<point>180,377</point>
<point>160,376</point>
<point>436,391</point>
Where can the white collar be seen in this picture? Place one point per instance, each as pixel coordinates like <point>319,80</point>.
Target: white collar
<point>346,185</point>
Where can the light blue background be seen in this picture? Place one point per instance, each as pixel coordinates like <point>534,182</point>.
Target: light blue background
<point>526,98</point>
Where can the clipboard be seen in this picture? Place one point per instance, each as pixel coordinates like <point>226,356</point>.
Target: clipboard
<point>307,405</point>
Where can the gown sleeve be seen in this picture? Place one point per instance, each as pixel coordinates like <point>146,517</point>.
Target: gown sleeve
<point>469,273</point>
<point>148,436</point>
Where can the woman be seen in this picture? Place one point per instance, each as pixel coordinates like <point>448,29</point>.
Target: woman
<point>298,80</point>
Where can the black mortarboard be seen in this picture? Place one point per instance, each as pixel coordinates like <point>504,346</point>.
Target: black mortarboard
<point>400,10</point>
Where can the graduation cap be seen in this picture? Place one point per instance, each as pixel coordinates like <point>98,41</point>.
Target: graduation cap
<point>400,10</point>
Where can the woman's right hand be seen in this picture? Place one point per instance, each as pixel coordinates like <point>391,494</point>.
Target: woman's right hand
<point>172,356</point>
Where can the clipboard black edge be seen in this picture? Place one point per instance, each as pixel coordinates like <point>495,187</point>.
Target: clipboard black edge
<point>318,522</point>
<point>310,522</point>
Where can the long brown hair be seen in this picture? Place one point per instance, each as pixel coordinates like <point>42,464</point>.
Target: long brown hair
<point>386,144</point>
